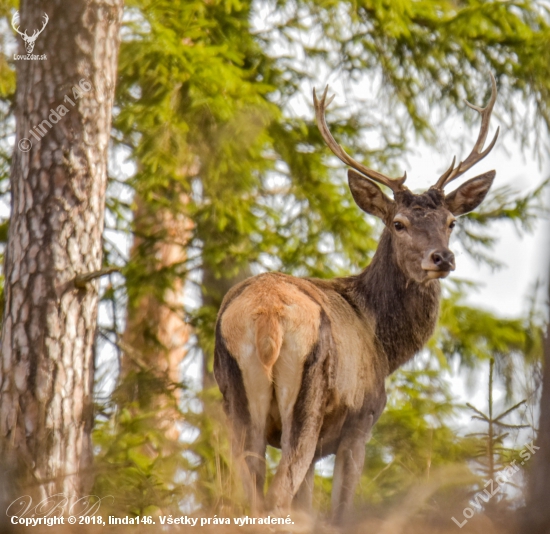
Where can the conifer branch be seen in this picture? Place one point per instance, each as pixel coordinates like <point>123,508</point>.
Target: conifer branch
<point>81,280</point>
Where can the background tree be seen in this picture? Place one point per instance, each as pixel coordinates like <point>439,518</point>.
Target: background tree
<point>537,514</point>
<point>57,188</point>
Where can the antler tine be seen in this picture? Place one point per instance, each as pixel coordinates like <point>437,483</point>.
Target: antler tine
<point>46,20</point>
<point>35,33</point>
<point>447,173</point>
<point>15,21</point>
<point>477,153</point>
<point>395,184</point>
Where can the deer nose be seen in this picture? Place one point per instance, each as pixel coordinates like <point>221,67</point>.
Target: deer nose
<point>444,260</point>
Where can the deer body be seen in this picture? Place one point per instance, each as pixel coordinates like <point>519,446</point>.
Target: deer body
<point>301,363</point>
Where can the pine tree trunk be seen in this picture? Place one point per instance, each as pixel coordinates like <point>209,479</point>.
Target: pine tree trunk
<point>57,211</point>
<point>156,333</point>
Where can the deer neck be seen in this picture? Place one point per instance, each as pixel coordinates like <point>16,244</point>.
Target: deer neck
<point>405,311</point>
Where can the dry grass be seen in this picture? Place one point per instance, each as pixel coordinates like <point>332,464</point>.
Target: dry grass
<point>415,514</point>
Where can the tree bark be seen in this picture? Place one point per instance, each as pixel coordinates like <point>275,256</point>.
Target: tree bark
<point>537,513</point>
<point>57,211</point>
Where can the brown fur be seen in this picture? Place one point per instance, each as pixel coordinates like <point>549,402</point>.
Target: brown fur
<point>269,338</point>
<point>301,363</point>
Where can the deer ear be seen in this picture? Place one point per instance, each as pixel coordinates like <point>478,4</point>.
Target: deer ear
<point>368,196</point>
<point>470,194</point>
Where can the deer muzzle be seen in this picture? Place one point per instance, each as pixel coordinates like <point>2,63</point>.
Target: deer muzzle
<point>438,263</point>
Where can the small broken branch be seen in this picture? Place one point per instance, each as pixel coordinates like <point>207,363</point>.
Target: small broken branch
<point>81,280</point>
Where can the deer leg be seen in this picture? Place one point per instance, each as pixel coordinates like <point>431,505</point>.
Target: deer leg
<point>350,455</point>
<point>302,397</point>
<point>298,450</point>
<point>303,500</point>
<point>247,396</point>
<point>249,445</point>
<point>255,442</point>
<point>348,466</point>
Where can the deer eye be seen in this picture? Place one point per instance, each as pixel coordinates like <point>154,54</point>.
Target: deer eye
<point>452,225</point>
<point>398,226</point>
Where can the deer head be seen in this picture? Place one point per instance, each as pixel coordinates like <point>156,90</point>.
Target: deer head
<point>29,39</point>
<point>419,225</point>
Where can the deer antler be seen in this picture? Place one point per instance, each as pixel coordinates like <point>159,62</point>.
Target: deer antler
<point>395,184</point>
<point>477,153</point>
<point>38,32</point>
<point>15,21</point>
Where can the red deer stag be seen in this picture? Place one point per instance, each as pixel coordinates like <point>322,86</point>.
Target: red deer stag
<point>301,362</point>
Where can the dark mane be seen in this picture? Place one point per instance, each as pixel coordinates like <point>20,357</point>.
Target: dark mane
<point>406,312</point>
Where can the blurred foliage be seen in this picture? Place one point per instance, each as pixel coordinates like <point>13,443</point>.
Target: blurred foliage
<point>494,456</point>
<point>420,412</point>
<point>206,115</point>
<point>474,335</point>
